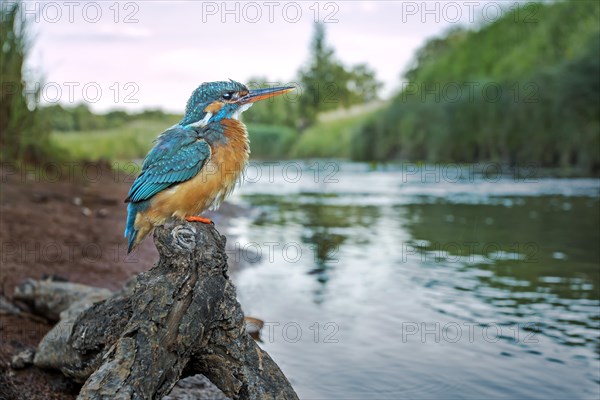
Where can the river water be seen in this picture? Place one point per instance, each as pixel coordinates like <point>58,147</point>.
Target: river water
<point>406,281</point>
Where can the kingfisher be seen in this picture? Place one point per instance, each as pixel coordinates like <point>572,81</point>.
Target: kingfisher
<point>195,164</point>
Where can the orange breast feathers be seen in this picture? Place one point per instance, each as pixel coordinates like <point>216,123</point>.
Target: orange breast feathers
<point>212,185</point>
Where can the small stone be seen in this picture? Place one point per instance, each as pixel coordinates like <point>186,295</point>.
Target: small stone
<point>77,201</point>
<point>102,213</point>
<point>6,307</point>
<point>23,359</point>
<point>86,211</point>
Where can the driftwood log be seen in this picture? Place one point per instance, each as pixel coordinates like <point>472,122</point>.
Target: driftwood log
<point>180,318</point>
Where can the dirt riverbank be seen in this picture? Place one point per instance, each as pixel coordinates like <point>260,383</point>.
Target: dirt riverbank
<point>69,228</point>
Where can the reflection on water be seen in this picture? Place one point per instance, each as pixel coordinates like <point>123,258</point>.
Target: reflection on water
<point>402,282</point>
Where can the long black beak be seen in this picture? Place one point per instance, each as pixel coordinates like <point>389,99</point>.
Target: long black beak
<point>261,94</point>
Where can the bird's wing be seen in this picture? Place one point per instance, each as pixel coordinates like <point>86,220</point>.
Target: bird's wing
<point>178,155</point>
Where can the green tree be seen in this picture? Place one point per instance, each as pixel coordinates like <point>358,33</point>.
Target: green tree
<point>363,84</point>
<point>59,118</point>
<point>434,49</point>
<point>23,134</point>
<point>327,84</point>
<point>319,79</point>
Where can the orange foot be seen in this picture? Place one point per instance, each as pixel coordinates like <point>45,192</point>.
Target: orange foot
<point>198,219</point>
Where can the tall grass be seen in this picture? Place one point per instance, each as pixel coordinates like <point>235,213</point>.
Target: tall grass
<point>133,140</point>
<point>23,133</point>
<point>329,138</point>
<point>270,141</point>
<point>128,142</point>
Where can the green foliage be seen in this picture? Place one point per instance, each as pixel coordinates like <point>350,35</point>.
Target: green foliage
<point>270,141</point>
<point>523,41</point>
<point>134,139</point>
<point>362,85</point>
<point>130,141</point>
<point>81,118</point>
<point>329,139</point>
<point>327,84</point>
<point>548,73</point>
<point>23,134</point>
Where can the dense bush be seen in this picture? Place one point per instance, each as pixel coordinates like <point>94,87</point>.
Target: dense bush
<point>270,141</point>
<point>548,73</point>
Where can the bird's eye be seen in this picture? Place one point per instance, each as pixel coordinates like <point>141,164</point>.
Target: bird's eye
<point>228,95</point>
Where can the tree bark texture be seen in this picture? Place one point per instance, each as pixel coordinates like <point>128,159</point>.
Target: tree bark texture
<point>178,319</point>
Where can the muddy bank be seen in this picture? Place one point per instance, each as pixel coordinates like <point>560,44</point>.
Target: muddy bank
<point>71,229</point>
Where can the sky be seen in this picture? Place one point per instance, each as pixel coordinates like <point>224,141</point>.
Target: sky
<point>152,54</point>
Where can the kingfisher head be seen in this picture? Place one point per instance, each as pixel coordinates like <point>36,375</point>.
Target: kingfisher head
<point>215,101</point>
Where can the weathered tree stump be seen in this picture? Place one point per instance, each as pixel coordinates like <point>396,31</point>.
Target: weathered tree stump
<point>178,319</point>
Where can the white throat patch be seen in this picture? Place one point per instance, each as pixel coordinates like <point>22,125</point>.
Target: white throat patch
<point>203,122</point>
<point>239,111</point>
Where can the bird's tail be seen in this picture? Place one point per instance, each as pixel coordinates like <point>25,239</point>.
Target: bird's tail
<point>130,231</point>
<point>134,234</point>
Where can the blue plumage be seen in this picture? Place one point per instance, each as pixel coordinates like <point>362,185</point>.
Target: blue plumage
<point>179,155</point>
